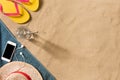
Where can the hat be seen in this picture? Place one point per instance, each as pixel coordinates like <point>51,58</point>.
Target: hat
<point>19,71</point>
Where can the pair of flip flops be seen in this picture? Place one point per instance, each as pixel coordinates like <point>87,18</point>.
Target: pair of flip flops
<point>15,9</point>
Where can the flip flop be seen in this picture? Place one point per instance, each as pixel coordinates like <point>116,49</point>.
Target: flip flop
<point>14,11</point>
<point>31,5</point>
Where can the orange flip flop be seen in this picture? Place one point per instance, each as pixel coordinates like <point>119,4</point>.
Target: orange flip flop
<point>31,5</point>
<point>14,11</point>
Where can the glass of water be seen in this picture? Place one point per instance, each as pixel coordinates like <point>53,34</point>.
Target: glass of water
<point>25,33</point>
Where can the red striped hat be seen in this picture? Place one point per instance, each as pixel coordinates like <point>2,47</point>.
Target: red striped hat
<point>19,71</point>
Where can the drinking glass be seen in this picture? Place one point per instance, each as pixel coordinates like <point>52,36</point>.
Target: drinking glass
<point>25,33</point>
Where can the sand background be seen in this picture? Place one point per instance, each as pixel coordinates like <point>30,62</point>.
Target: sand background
<point>77,39</point>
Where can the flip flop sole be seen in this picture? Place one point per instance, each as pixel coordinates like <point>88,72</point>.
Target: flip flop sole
<point>32,6</point>
<point>21,19</point>
<point>14,11</point>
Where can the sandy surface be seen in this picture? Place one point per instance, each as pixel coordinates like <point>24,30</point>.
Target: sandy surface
<point>77,39</point>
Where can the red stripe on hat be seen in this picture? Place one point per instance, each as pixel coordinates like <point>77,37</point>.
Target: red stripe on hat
<point>23,73</point>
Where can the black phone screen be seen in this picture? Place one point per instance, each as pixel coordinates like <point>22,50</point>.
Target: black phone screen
<point>8,51</point>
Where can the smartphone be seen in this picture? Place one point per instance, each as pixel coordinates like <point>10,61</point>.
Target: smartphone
<point>8,51</point>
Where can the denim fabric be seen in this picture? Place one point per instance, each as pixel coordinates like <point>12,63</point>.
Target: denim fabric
<point>6,35</point>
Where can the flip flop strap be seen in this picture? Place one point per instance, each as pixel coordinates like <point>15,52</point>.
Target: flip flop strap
<point>23,0</point>
<point>11,14</point>
<point>1,8</point>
